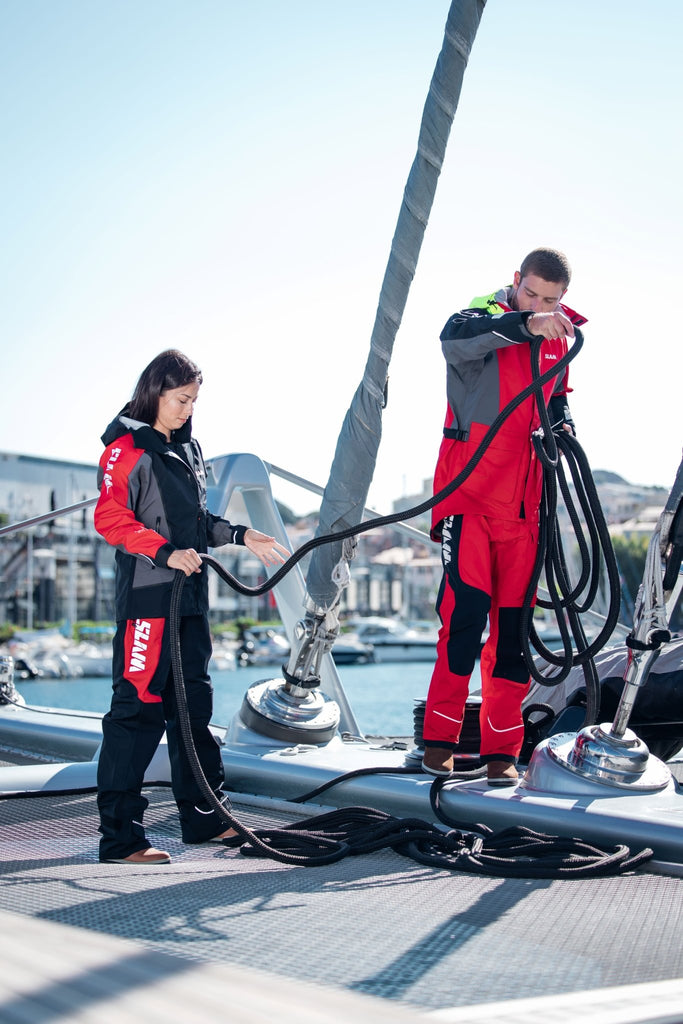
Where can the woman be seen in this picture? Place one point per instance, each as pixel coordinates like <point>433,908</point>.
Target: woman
<point>152,508</point>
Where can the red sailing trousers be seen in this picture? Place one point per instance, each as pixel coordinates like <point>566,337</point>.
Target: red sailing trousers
<point>488,564</point>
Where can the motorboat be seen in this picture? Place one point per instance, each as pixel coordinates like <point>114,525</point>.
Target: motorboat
<point>392,640</point>
<point>262,645</point>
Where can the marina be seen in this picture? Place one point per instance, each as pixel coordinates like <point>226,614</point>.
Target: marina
<point>358,881</point>
<point>382,695</point>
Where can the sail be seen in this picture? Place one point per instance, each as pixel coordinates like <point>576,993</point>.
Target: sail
<point>354,461</point>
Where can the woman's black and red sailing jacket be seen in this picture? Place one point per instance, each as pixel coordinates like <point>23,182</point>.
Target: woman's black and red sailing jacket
<point>152,502</point>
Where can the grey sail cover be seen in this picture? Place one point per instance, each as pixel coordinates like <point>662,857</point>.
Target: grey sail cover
<point>354,461</point>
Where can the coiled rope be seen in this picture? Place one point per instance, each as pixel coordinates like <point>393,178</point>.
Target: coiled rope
<point>329,837</point>
<point>564,598</point>
<point>516,852</point>
<point>534,388</point>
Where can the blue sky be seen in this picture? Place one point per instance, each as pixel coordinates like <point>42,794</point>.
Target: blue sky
<point>225,178</point>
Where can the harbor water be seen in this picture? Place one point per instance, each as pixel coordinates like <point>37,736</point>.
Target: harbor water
<point>382,696</point>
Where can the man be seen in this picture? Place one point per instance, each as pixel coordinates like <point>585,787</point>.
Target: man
<point>488,527</point>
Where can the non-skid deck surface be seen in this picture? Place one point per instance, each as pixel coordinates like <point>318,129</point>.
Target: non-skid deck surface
<point>379,924</point>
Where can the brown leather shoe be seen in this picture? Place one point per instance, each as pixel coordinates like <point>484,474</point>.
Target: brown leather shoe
<point>225,836</point>
<point>501,773</point>
<point>438,760</point>
<point>147,856</point>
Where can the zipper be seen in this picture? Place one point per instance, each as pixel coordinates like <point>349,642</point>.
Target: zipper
<point>189,469</point>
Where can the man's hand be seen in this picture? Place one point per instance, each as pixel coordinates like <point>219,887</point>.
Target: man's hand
<point>550,325</point>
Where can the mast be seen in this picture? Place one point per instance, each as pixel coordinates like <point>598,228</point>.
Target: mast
<point>353,466</point>
<point>296,708</point>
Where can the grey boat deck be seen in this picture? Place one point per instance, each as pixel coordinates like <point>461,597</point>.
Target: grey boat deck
<point>377,934</point>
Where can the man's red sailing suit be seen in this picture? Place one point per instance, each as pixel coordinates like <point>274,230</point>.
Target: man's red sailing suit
<point>488,527</point>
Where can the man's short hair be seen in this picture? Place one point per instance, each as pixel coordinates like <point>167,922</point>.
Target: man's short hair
<point>550,264</point>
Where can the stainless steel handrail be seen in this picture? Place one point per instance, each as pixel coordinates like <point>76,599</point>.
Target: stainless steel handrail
<point>46,517</point>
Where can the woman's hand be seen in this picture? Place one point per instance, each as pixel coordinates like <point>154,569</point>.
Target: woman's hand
<point>265,548</point>
<point>185,559</point>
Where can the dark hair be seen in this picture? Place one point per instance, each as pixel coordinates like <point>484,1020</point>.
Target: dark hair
<point>170,369</point>
<point>550,264</point>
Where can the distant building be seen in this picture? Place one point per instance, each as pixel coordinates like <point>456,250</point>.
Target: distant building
<point>62,571</point>
<point>629,510</point>
<point>620,500</point>
<point>59,571</point>
<point>640,525</point>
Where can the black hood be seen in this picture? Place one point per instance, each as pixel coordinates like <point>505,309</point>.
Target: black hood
<point>144,436</point>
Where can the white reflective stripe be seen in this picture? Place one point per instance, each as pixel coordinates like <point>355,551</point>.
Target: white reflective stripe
<point>511,729</point>
<point>448,717</point>
<point>510,341</point>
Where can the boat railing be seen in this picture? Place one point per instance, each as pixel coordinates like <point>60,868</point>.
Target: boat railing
<point>249,476</point>
<point>46,517</point>
<point>368,513</point>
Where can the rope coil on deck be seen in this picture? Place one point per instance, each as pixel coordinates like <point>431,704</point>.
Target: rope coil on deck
<point>512,853</point>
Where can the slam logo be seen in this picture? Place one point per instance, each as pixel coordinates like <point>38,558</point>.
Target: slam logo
<point>113,458</point>
<point>137,661</point>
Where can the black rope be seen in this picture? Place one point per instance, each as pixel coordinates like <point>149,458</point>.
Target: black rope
<point>330,837</point>
<point>512,853</point>
<point>316,852</point>
<point>326,838</point>
<point>519,852</point>
<point>564,600</point>
<point>534,388</point>
<point>550,557</point>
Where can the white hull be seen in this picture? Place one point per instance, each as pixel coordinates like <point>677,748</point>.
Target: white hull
<point>409,651</point>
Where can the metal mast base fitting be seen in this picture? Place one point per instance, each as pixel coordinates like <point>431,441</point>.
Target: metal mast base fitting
<point>595,756</point>
<point>270,709</point>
